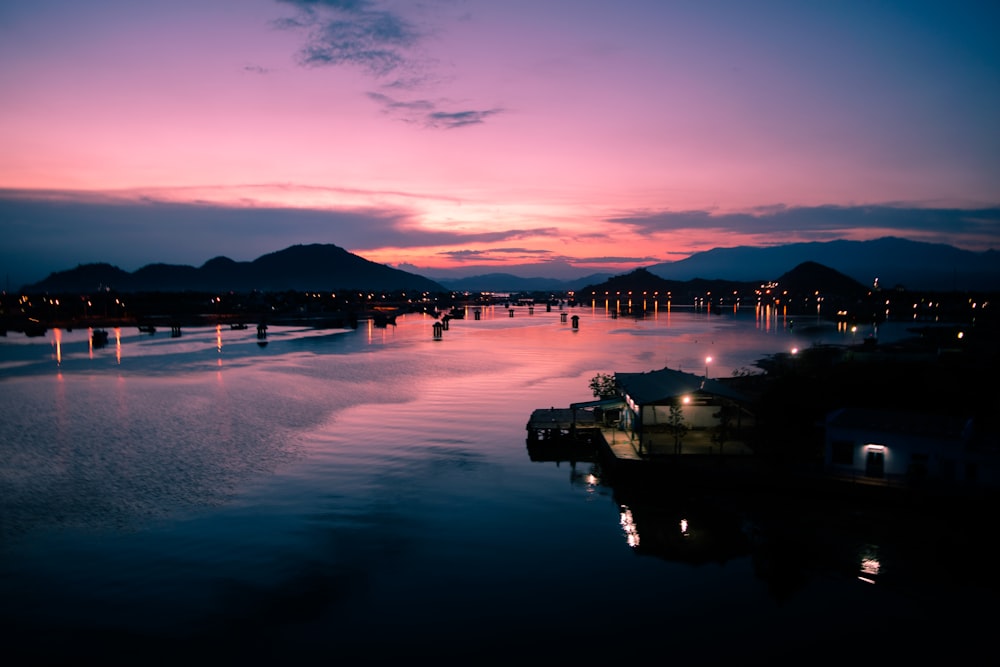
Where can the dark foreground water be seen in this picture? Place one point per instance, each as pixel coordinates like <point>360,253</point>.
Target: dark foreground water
<point>352,497</point>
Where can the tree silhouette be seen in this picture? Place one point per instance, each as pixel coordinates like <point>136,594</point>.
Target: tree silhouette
<point>677,426</point>
<point>603,385</point>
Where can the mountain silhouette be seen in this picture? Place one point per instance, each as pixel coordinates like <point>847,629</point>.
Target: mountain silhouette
<point>810,277</point>
<point>798,287</point>
<point>889,260</point>
<point>641,281</point>
<point>319,267</point>
<point>892,261</point>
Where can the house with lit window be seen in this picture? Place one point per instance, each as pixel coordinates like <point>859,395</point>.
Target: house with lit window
<point>654,402</point>
<point>904,447</point>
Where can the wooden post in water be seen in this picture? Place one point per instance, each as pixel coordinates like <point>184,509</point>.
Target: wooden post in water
<point>576,321</point>
<point>438,328</point>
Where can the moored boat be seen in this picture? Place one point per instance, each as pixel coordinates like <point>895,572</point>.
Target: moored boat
<point>99,338</point>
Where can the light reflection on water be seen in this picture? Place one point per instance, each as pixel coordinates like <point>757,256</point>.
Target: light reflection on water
<point>369,491</point>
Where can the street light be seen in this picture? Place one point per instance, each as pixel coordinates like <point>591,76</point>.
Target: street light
<point>708,360</point>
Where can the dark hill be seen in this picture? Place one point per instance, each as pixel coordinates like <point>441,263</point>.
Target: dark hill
<point>84,278</point>
<point>320,266</point>
<point>798,289</point>
<point>316,267</point>
<point>893,261</point>
<point>642,281</point>
<point>810,277</point>
<point>150,277</point>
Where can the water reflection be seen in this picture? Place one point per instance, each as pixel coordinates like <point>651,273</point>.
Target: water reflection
<point>792,537</point>
<point>871,565</point>
<point>57,341</point>
<point>336,488</point>
<point>680,529</point>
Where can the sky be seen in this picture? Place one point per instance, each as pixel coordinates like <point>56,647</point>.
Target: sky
<point>467,136</point>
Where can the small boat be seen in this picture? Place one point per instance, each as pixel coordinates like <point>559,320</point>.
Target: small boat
<point>33,328</point>
<point>99,338</point>
<point>237,325</point>
<point>147,328</point>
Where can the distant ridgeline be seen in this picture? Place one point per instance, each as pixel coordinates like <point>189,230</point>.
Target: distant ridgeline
<point>892,262</point>
<point>834,268</point>
<point>298,268</point>
<point>803,282</point>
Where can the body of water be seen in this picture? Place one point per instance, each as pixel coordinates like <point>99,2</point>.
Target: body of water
<point>367,496</point>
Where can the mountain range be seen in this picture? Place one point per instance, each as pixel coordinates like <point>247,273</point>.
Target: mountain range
<point>803,281</point>
<point>297,268</point>
<point>891,262</point>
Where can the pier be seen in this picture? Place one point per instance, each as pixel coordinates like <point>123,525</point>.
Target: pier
<point>561,423</point>
<point>575,430</point>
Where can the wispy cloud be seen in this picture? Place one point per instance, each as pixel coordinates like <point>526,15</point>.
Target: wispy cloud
<point>352,32</point>
<point>823,222</point>
<point>381,42</point>
<point>468,255</point>
<point>453,119</point>
<point>429,114</point>
<point>611,259</point>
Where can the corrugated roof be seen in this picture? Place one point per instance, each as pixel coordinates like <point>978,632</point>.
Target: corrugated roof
<point>661,385</point>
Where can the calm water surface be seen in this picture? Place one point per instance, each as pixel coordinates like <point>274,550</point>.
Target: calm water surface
<point>343,497</point>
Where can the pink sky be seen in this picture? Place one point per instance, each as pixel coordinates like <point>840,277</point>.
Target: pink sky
<point>497,132</point>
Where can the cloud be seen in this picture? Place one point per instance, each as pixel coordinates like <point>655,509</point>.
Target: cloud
<point>380,42</point>
<point>54,231</point>
<point>352,32</point>
<point>428,114</point>
<point>503,254</point>
<point>529,261</point>
<point>453,119</point>
<point>411,107</point>
<point>942,224</point>
<point>611,259</point>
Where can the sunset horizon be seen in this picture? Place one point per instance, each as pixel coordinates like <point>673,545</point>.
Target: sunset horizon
<point>449,135</point>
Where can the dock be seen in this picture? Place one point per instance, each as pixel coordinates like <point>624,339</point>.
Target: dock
<point>620,446</point>
<point>577,431</point>
<point>561,423</point>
